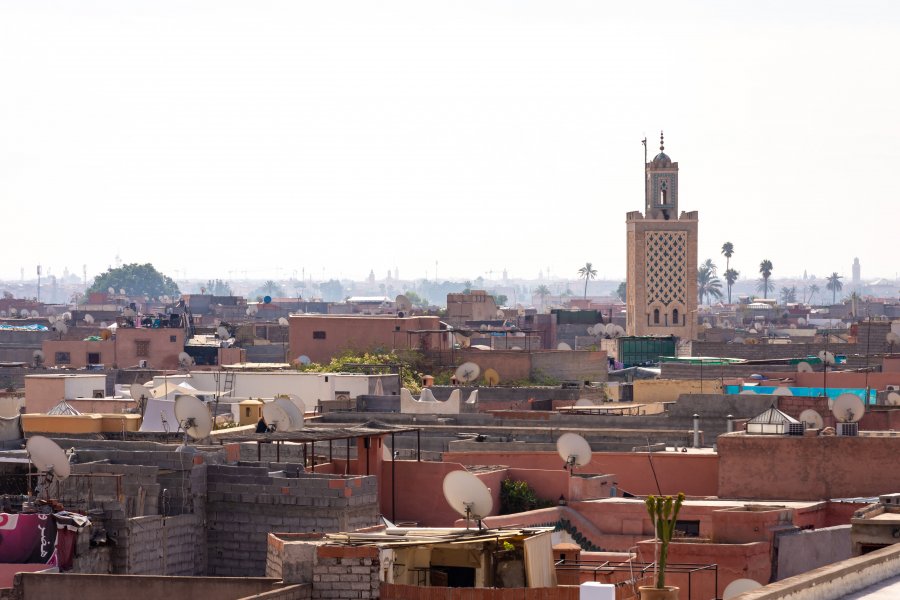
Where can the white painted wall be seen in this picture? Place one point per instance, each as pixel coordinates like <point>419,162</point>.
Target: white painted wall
<point>83,386</point>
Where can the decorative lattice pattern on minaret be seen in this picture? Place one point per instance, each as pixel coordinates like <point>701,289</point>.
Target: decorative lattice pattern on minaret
<point>666,267</point>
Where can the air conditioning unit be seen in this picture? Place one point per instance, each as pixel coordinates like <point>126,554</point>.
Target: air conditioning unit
<point>892,388</point>
<point>142,364</point>
<point>851,429</point>
<point>796,428</point>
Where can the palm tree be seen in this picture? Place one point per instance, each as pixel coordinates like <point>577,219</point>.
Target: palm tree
<point>834,285</point>
<point>813,290</point>
<point>708,283</point>
<point>709,264</point>
<point>765,269</point>
<point>542,291</point>
<point>588,272</point>
<point>731,277</point>
<point>788,294</point>
<point>727,252</point>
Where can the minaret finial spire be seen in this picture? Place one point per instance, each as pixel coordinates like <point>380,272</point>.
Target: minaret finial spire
<point>661,142</point>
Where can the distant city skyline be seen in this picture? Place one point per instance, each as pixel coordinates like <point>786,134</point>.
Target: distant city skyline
<point>229,138</point>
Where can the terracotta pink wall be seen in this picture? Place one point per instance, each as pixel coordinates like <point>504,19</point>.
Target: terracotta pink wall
<point>806,468</point>
<point>121,351</point>
<point>693,474</point>
<point>42,394</point>
<point>78,351</point>
<point>357,332</point>
<point>876,381</point>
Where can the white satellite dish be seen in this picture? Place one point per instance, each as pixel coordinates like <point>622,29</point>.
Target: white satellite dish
<point>804,367</point>
<point>892,399</point>
<point>467,372</point>
<point>137,390</point>
<point>282,322</point>
<point>48,458</point>
<point>185,359</point>
<point>293,412</point>
<point>892,338</point>
<point>801,321</point>
<point>193,416</point>
<point>61,327</point>
<point>88,318</point>
<point>122,291</point>
<point>563,346</point>
<point>3,313</point>
<point>467,495</point>
<point>848,408</point>
<point>573,449</point>
<point>616,331</point>
<point>747,392</point>
<point>826,357</point>
<point>782,391</point>
<point>738,587</point>
<point>811,419</point>
<point>111,290</point>
<point>35,314</point>
<point>276,417</point>
<point>298,402</point>
<point>304,359</point>
<point>67,316</point>
<point>403,303</point>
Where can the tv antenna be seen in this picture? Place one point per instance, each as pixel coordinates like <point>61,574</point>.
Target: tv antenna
<point>50,460</point>
<point>468,496</point>
<point>573,449</point>
<point>467,372</point>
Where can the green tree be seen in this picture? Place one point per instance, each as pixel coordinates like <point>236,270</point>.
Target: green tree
<point>588,272</point>
<point>765,269</point>
<point>500,299</point>
<point>788,295</point>
<point>813,290</point>
<point>727,252</point>
<point>834,285</point>
<point>731,276</point>
<point>415,299</point>
<point>217,287</point>
<point>542,291</point>
<point>332,290</point>
<point>622,292</point>
<point>467,287</point>
<point>708,283</point>
<point>136,280</point>
<point>709,264</point>
<point>518,496</point>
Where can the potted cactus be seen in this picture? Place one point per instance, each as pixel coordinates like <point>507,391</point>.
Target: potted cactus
<point>663,513</point>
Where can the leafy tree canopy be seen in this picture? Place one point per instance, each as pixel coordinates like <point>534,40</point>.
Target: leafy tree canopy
<point>136,280</point>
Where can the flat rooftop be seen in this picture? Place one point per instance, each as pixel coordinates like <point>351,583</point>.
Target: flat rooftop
<point>889,589</point>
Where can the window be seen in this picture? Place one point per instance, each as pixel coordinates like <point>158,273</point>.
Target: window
<point>674,316</point>
<point>173,338</point>
<point>93,358</point>
<point>142,348</point>
<point>261,332</point>
<point>656,316</point>
<point>98,394</point>
<point>62,358</point>
<point>318,335</point>
<point>688,528</point>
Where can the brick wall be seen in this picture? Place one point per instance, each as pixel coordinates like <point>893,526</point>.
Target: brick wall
<point>346,572</point>
<point>393,591</point>
<point>165,546</point>
<point>245,504</point>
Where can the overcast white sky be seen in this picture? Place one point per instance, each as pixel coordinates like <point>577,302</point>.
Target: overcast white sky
<point>220,137</point>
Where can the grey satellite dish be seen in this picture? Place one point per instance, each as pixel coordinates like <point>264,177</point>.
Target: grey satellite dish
<point>137,390</point>
<point>403,303</point>
<point>193,416</point>
<point>293,412</point>
<point>616,331</point>
<point>3,313</point>
<point>811,419</point>
<point>222,332</point>
<point>892,338</point>
<point>573,449</point>
<point>467,372</point>
<point>848,408</point>
<point>826,357</point>
<point>185,359</point>
<point>35,314</point>
<point>276,418</point>
<point>804,367</point>
<point>893,399</point>
<point>282,322</point>
<point>48,458</point>
<point>61,327</point>
<point>563,346</point>
<point>738,587</point>
<point>304,359</point>
<point>468,496</point>
<point>67,316</point>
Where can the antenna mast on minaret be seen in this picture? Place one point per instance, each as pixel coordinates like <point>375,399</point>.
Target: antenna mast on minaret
<point>646,199</point>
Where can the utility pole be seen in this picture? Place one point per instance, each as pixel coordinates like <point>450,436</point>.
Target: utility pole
<point>39,283</point>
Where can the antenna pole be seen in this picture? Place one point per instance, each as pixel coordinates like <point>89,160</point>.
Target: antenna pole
<point>646,199</point>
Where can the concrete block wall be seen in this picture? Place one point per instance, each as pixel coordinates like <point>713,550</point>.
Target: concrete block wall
<point>159,545</point>
<point>344,572</point>
<point>137,487</point>
<point>245,504</point>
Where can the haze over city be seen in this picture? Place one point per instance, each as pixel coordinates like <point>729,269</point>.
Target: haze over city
<point>216,138</point>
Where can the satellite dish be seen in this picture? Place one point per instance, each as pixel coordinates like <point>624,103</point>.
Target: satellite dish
<point>403,303</point>
<point>276,417</point>
<point>848,408</point>
<point>801,321</point>
<point>2,313</point>
<point>893,399</point>
<point>38,356</point>
<point>298,402</point>
<point>467,495</point>
<point>122,291</point>
<point>282,321</point>
<point>48,458</point>
<point>892,338</point>
<point>35,314</point>
<point>61,327</point>
<point>804,367</point>
<point>826,357</point>
<point>293,412</point>
<point>67,316</point>
<point>614,331</point>
<point>811,419</point>
<point>222,332</point>
<point>88,318</point>
<point>467,372</point>
<point>500,314</point>
<point>267,299</point>
<point>137,390</point>
<point>746,392</point>
<point>516,348</point>
<point>111,290</point>
<point>185,359</point>
<point>738,587</point>
<point>304,359</point>
<point>573,449</point>
<point>563,346</point>
<point>193,416</point>
<point>782,391</point>
<point>491,377</point>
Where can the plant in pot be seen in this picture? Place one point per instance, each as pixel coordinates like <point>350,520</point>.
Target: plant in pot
<point>663,511</point>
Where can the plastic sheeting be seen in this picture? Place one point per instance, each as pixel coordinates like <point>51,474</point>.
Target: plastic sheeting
<point>539,569</point>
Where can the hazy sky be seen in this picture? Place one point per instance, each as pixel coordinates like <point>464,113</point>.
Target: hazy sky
<point>221,137</point>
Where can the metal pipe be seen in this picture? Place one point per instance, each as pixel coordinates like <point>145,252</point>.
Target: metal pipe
<point>729,424</point>
<point>696,430</point>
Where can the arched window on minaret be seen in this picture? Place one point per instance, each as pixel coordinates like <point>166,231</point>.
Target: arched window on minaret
<point>674,316</point>
<point>663,193</point>
<point>656,316</point>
